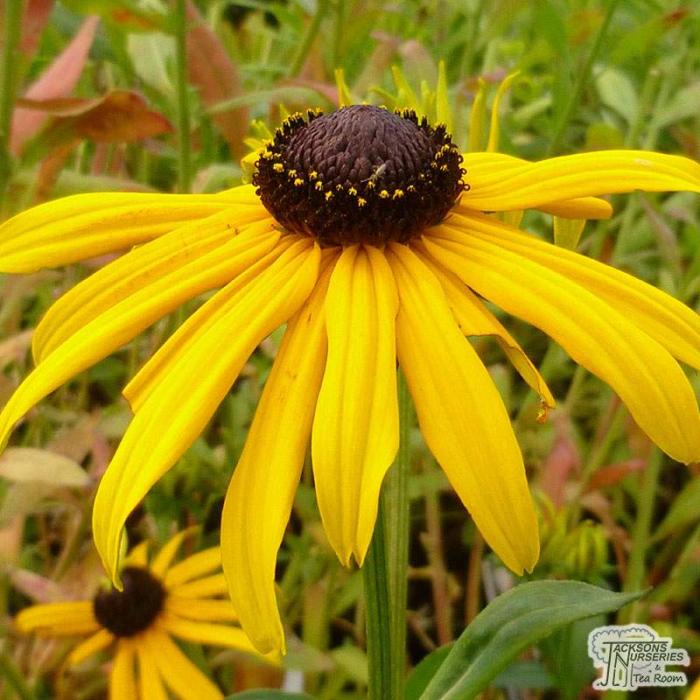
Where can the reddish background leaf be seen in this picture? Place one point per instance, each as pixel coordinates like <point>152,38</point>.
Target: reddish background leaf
<point>58,80</point>
<point>212,72</point>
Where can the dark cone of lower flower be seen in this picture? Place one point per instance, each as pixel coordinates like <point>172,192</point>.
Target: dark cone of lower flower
<point>359,175</point>
<point>128,612</point>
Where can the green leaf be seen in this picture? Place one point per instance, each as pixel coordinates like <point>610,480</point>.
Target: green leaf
<point>421,675</point>
<point>510,624</point>
<point>683,511</point>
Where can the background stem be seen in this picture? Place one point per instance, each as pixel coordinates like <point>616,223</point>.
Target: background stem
<point>183,107</point>
<point>385,570</point>
<point>11,34</point>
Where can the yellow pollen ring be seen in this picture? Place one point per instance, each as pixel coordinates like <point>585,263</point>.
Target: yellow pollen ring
<point>384,194</point>
<point>278,167</point>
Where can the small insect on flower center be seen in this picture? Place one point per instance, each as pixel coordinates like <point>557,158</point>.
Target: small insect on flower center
<point>362,174</point>
<point>128,612</point>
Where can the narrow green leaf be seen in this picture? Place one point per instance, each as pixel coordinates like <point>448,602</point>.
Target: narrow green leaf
<point>510,624</point>
<point>683,510</point>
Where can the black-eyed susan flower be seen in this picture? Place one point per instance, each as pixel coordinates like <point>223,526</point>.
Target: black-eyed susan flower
<point>370,235</point>
<point>159,601</point>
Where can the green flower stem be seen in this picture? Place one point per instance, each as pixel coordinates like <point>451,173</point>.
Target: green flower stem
<point>183,107</point>
<point>581,81</point>
<point>308,41</point>
<point>13,677</point>
<point>12,31</point>
<point>385,570</point>
<point>635,579</point>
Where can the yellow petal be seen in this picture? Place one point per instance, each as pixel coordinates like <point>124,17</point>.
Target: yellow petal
<point>207,610</point>
<point>178,672</point>
<point>261,492</point>
<point>203,588</point>
<point>596,335</point>
<point>356,427</point>
<point>161,562</point>
<point>443,112</point>
<point>461,414</point>
<point>100,640</point>
<point>667,320</point>
<point>473,318</point>
<point>86,225</point>
<point>58,619</point>
<point>138,555</point>
<point>122,680</point>
<point>150,681</point>
<point>483,165</point>
<point>180,259</point>
<point>158,367</point>
<point>499,186</point>
<point>177,410</point>
<point>208,633</point>
<point>117,325</point>
<point>495,128</point>
<point>197,565</point>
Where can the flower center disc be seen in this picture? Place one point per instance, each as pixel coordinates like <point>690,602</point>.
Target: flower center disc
<point>128,612</point>
<point>359,175</point>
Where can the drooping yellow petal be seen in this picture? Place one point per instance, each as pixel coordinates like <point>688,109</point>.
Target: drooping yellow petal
<point>58,619</point>
<point>119,324</point>
<point>182,258</point>
<point>473,318</point>
<point>461,414</point>
<point>178,672</point>
<point>596,335</point>
<point>86,225</point>
<point>497,183</point>
<point>150,681</point>
<point>158,367</point>
<point>206,610</point>
<point>203,588</point>
<point>176,411</point>
<point>667,320</point>
<point>209,633</point>
<point>356,427</point>
<point>98,641</point>
<point>122,679</point>
<point>260,495</point>
<point>197,565</point>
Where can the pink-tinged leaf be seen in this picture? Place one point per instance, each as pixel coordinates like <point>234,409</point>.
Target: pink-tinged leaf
<point>212,72</point>
<point>58,80</point>
<point>120,116</point>
<point>36,587</point>
<point>36,14</point>
<point>561,461</point>
<point>614,473</point>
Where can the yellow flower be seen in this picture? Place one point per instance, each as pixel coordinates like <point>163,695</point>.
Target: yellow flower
<point>159,601</point>
<point>366,235</point>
